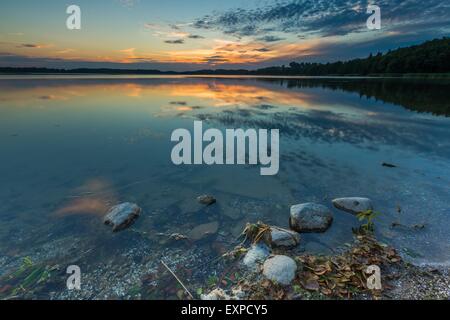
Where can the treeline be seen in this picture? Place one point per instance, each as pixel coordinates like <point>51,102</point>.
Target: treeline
<point>430,57</point>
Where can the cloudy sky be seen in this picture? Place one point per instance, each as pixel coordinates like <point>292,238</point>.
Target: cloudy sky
<point>194,34</point>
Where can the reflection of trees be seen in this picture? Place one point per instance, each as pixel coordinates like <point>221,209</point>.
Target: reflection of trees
<point>419,95</point>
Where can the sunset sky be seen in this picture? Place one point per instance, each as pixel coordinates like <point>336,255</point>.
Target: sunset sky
<point>194,34</point>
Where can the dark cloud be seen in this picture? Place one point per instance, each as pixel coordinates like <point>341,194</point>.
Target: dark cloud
<point>8,59</point>
<point>195,36</point>
<point>28,45</point>
<point>215,59</point>
<point>178,41</point>
<point>269,38</point>
<point>326,17</point>
<point>178,103</point>
<point>332,127</point>
<point>174,27</point>
<point>263,50</point>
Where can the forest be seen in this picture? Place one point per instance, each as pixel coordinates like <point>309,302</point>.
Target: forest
<point>430,57</point>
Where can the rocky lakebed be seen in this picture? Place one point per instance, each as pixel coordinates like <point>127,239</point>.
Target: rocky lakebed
<point>261,262</point>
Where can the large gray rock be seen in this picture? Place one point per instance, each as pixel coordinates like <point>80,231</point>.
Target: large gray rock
<point>280,269</point>
<point>310,217</point>
<point>256,256</point>
<point>284,238</point>
<point>122,215</point>
<point>353,205</point>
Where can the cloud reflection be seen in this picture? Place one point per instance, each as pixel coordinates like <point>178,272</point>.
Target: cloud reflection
<point>94,197</point>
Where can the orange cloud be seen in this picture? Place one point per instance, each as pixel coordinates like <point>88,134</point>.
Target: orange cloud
<point>232,52</point>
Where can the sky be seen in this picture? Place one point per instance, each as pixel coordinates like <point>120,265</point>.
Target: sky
<point>183,35</point>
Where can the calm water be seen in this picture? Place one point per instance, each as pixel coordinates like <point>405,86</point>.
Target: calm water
<point>71,147</point>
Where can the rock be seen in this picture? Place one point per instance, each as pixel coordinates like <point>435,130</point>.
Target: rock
<point>284,238</point>
<point>206,200</point>
<point>310,217</point>
<point>122,216</point>
<point>280,269</point>
<point>204,230</point>
<point>177,237</point>
<point>220,294</point>
<point>216,294</point>
<point>353,205</point>
<point>256,256</point>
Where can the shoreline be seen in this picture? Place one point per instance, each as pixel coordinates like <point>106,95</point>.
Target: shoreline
<point>401,280</point>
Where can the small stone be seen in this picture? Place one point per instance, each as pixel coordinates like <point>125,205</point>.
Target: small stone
<point>353,205</point>
<point>177,237</point>
<point>310,217</point>
<point>206,200</point>
<point>280,269</point>
<point>122,216</point>
<point>256,256</point>
<point>284,238</point>
<point>204,230</point>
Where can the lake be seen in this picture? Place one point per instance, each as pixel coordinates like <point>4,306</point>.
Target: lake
<point>73,146</point>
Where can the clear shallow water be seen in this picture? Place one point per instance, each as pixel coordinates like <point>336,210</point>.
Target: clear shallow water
<point>72,147</point>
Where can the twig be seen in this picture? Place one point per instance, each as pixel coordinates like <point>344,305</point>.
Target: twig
<point>179,281</point>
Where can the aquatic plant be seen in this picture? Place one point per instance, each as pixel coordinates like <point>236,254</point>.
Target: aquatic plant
<point>26,278</point>
<point>367,216</point>
<point>256,232</point>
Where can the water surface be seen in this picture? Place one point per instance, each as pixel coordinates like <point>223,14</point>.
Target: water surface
<point>73,146</point>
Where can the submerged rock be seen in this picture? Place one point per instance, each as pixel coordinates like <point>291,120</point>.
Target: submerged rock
<point>310,217</point>
<point>122,216</point>
<point>256,256</point>
<point>284,238</point>
<point>216,294</point>
<point>177,237</point>
<point>280,269</point>
<point>353,205</point>
<point>204,230</point>
<point>206,200</point>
